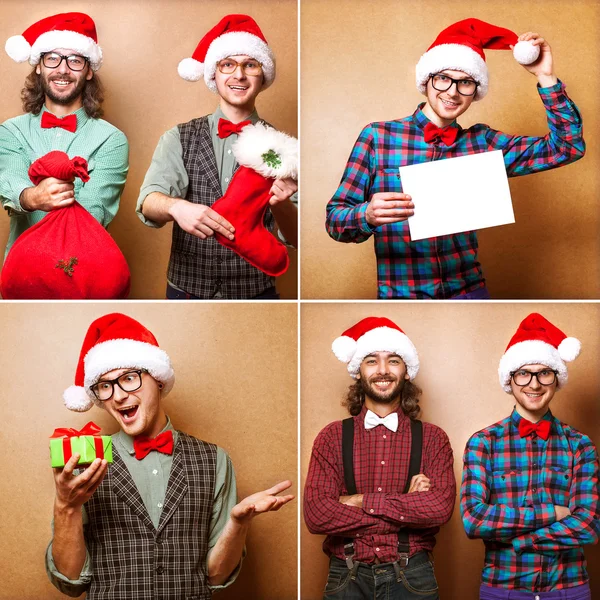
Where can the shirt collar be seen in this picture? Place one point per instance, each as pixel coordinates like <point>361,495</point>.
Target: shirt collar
<point>253,117</point>
<point>80,113</point>
<point>360,418</point>
<point>421,119</point>
<point>126,441</point>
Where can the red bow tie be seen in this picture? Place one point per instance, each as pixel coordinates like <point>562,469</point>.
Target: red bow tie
<point>447,134</point>
<point>69,123</point>
<point>226,128</point>
<point>143,445</point>
<point>541,428</point>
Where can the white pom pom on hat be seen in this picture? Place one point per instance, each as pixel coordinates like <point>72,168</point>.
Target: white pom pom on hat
<point>538,341</point>
<point>18,48</point>
<point>525,52</point>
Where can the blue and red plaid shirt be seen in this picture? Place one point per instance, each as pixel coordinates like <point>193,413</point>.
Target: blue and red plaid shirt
<point>509,489</point>
<point>445,266</point>
<point>381,466</point>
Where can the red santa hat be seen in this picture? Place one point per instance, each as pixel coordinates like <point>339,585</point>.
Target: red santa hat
<point>375,334</point>
<point>73,31</point>
<point>537,341</point>
<point>116,341</point>
<point>232,35</point>
<point>460,48</point>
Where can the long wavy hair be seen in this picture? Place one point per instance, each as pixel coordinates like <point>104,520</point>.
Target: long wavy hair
<point>409,399</point>
<point>33,98</point>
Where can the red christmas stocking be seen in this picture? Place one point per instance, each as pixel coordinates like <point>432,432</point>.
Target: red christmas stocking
<point>68,255</point>
<point>264,155</point>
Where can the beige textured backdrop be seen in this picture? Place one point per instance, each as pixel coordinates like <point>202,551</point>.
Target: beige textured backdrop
<point>459,345</point>
<point>236,386</point>
<point>143,42</point>
<point>358,64</point>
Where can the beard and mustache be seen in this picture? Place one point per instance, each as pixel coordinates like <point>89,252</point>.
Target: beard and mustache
<point>388,396</point>
<point>64,100</point>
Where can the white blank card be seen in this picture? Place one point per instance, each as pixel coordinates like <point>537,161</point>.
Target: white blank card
<point>458,194</point>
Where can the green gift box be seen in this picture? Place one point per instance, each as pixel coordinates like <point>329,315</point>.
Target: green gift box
<point>66,442</point>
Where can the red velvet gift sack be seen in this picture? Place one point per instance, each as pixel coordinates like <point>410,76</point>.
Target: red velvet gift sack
<point>68,255</point>
<point>264,155</point>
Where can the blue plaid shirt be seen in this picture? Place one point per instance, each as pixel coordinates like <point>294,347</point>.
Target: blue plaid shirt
<point>445,266</point>
<point>509,488</point>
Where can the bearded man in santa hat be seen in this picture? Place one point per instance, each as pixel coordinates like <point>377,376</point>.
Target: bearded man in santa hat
<point>380,483</point>
<point>62,99</point>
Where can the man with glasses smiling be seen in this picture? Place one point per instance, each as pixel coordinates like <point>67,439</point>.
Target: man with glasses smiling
<point>63,100</point>
<point>193,165</point>
<point>370,200</point>
<point>162,521</point>
<point>530,482</point>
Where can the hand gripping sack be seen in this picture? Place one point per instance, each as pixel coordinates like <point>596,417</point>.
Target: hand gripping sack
<point>68,255</point>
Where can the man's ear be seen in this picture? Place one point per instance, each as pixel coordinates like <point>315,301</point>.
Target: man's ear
<point>90,73</point>
<point>38,70</point>
<point>406,376</point>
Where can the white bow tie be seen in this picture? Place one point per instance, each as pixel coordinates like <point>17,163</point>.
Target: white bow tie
<point>372,420</point>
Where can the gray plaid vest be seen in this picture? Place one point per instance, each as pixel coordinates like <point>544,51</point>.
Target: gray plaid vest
<point>204,268</point>
<point>131,559</point>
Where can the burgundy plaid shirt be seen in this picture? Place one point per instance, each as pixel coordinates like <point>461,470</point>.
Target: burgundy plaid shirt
<point>381,462</point>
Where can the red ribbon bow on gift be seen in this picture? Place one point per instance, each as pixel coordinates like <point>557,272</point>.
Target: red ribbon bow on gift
<point>49,121</point>
<point>447,134</point>
<point>143,445</point>
<point>226,128</point>
<point>541,428</point>
<point>68,432</point>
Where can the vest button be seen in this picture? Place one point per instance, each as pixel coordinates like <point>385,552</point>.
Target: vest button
<point>160,570</point>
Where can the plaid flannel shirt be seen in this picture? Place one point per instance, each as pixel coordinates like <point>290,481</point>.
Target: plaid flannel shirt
<point>445,266</point>
<point>509,489</point>
<point>381,463</point>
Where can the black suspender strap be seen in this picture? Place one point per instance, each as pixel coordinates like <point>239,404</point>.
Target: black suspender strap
<point>348,460</point>
<point>414,468</point>
<point>416,432</point>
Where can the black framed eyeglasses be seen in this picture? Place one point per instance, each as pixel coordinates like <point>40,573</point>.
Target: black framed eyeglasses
<point>522,377</point>
<point>250,66</point>
<point>51,60</point>
<point>128,382</point>
<point>442,83</point>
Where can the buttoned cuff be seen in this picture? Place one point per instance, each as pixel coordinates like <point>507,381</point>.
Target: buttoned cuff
<point>522,543</point>
<point>361,218</point>
<point>544,515</point>
<point>149,189</point>
<point>553,95</point>
<point>373,504</point>
<point>63,583</point>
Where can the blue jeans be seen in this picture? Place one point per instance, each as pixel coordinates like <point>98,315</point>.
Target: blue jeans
<point>478,294</point>
<point>581,592</point>
<point>382,582</point>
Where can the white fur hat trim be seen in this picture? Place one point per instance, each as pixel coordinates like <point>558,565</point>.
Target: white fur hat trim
<point>69,40</point>
<point>531,352</point>
<point>456,57</point>
<point>267,151</point>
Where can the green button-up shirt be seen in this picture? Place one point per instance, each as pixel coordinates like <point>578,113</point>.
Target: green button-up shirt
<point>151,476</point>
<point>22,141</point>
